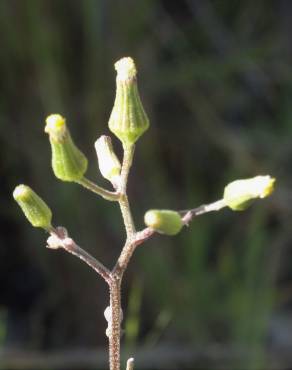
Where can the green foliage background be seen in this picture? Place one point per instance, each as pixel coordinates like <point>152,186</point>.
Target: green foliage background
<point>216,80</point>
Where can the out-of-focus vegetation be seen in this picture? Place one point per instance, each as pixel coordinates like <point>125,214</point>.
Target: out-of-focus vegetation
<point>216,80</point>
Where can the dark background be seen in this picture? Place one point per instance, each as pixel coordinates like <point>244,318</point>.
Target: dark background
<point>216,80</point>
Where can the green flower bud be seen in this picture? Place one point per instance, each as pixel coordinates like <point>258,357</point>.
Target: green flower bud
<point>128,120</point>
<point>34,208</point>
<point>68,162</point>
<point>239,194</point>
<point>108,162</point>
<point>164,221</point>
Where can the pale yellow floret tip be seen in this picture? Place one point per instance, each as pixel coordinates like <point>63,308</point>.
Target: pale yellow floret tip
<point>21,192</point>
<point>268,187</point>
<point>55,123</point>
<point>126,69</point>
<point>151,218</point>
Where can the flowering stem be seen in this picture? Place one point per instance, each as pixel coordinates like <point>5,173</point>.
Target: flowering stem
<point>127,163</point>
<point>117,272</point>
<point>127,216</point>
<point>106,194</point>
<point>123,201</point>
<point>205,208</point>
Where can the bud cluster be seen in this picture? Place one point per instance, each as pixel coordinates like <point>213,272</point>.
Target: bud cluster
<point>128,121</point>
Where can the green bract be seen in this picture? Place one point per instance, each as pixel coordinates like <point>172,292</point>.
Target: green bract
<point>68,162</point>
<point>34,208</point>
<point>164,221</point>
<point>128,120</point>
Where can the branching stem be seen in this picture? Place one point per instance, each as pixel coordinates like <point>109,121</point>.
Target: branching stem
<point>59,239</point>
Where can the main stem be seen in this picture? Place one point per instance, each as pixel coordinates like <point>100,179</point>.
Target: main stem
<point>115,323</point>
<point>117,273</point>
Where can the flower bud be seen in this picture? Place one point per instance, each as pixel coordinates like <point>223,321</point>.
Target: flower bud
<point>68,162</point>
<point>128,120</point>
<point>34,208</point>
<point>239,194</point>
<point>108,315</point>
<point>108,163</point>
<point>164,221</point>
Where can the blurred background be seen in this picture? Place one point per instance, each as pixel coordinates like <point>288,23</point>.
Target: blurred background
<point>215,77</point>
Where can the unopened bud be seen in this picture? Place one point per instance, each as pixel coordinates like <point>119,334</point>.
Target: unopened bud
<point>68,162</point>
<point>34,208</point>
<point>128,120</point>
<point>108,315</point>
<point>108,163</point>
<point>164,221</point>
<point>239,194</point>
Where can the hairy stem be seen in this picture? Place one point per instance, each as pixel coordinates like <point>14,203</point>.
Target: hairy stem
<point>127,163</point>
<point>129,248</point>
<point>117,273</point>
<point>106,194</point>
<point>59,239</point>
<point>115,323</point>
<point>205,208</point>
<point>127,216</point>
